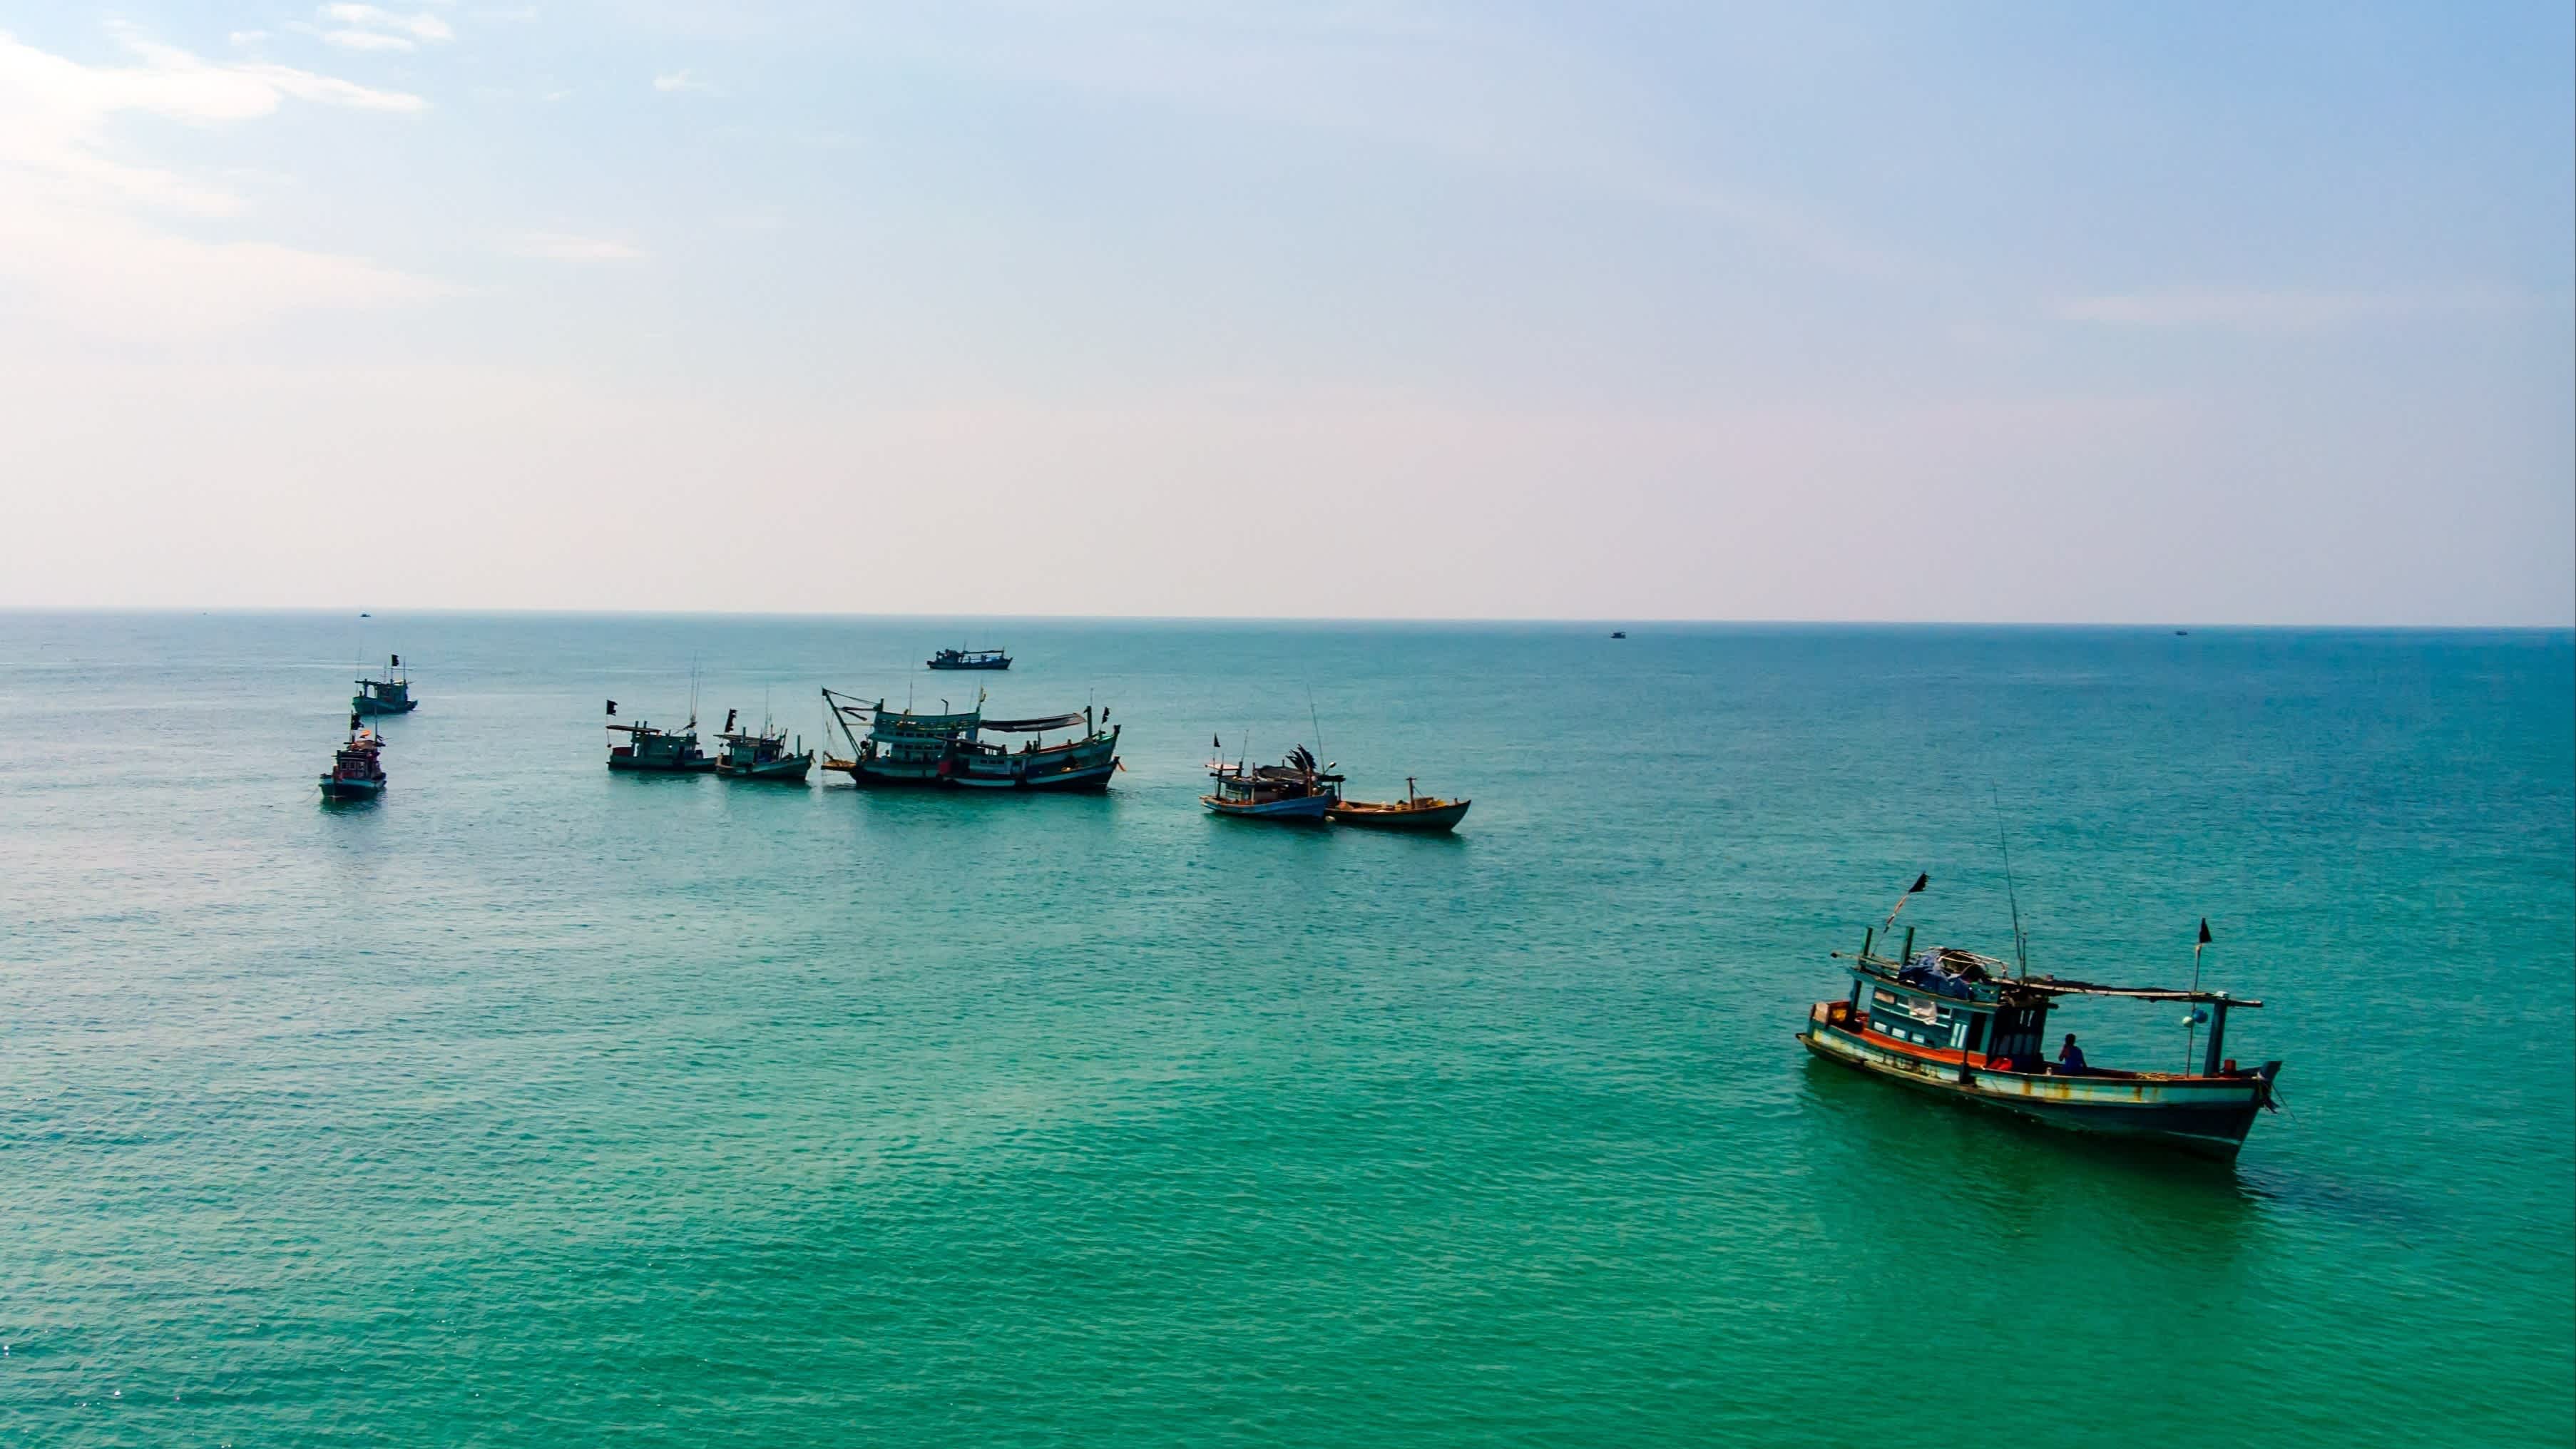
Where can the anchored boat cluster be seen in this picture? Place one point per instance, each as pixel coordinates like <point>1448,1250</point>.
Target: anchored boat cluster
<point>357,767</point>
<point>1952,1022</point>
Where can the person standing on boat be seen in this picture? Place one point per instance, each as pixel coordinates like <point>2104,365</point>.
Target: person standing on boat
<point>2070,1058</point>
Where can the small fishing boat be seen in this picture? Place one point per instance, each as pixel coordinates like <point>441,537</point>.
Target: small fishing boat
<point>356,772</point>
<point>1416,811</point>
<point>388,694</point>
<point>1618,633</point>
<point>1974,1029</point>
<point>949,749</point>
<point>649,751</point>
<point>760,755</point>
<point>968,659</point>
<point>1298,790</point>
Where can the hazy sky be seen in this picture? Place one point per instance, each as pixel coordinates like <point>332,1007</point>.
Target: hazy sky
<point>2038,312</point>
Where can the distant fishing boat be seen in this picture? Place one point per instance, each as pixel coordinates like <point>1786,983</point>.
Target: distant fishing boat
<point>760,754</point>
<point>1298,789</point>
<point>1618,633</point>
<point>1969,1027</point>
<point>949,749</point>
<point>968,659</point>
<point>649,751</point>
<point>356,772</point>
<point>1416,811</point>
<point>387,694</point>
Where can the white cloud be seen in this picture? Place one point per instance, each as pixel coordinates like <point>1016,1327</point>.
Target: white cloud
<point>680,81</point>
<point>559,246</point>
<point>2279,310</point>
<point>365,40</point>
<point>75,213</point>
<point>422,26</point>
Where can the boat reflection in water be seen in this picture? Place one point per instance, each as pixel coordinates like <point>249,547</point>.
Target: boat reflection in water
<point>1968,1027</point>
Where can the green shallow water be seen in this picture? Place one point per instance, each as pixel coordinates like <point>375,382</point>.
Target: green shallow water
<point>534,1103</point>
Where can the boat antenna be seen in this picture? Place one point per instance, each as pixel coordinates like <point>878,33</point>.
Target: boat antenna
<point>2021,944</point>
<point>1312,720</point>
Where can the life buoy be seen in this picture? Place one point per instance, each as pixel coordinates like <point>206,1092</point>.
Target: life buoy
<point>2000,1064</point>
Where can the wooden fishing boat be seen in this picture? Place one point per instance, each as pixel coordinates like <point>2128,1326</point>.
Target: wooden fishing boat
<point>949,749</point>
<point>1970,1028</point>
<point>968,659</point>
<point>649,751</point>
<point>387,694</point>
<point>760,754</point>
<point>1298,790</point>
<point>1416,811</point>
<point>357,772</point>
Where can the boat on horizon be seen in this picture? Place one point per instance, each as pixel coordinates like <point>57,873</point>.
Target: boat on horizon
<point>1415,812</point>
<point>387,694</point>
<point>1974,1029</point>
<point>357,772</point>
<point>949,750</point>
<point>760,754</point>
<point>968,659</point>
<point>1298,789</point>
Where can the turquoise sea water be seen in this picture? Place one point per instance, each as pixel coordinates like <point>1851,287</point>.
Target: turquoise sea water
<point>531,1103</point>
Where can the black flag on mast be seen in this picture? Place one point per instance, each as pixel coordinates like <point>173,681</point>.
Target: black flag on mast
<point>1215,744</point>
<point>1921,882</point>
<point>612,706</point>
<point>2204,930</point>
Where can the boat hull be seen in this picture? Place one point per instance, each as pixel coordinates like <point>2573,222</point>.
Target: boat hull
<point>788,771</point>
<point>1436,818</point>
<point>952,668</point>
<point>1072,779</point>
<point>351,789</point>
<point>2204,1116</point>
<point>658,767</point>
<point>1304,808</point>
<point>362,705</point>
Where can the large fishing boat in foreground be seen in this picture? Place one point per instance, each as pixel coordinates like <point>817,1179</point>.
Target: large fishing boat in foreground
<point>357,769</point>
<point>949,749</point>
<point>1968,1027</point>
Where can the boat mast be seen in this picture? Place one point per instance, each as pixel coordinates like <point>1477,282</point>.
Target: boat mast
<point>2191,1019</point>
<point>2021,946</point>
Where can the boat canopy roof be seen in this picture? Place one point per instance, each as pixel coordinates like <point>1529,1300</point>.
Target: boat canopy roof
<point>1956,962</point>
<point>1032,726</point>
<point>2051,986</point>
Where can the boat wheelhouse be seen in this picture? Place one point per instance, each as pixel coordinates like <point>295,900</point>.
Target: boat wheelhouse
<point>1966,1026</point>
<point>357,772</point>
<point>949,749</point>
<point>760,754</point>
<point>968,659</point>
<point>1299,789</point>
<point>389,693</point>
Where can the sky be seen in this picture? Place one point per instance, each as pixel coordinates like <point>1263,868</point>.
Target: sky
<point>2189,312</point>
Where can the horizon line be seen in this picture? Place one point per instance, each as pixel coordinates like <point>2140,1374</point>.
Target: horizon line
<point>1602,620</point>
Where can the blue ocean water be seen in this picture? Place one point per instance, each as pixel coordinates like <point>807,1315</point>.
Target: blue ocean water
<point>534,1102</point>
